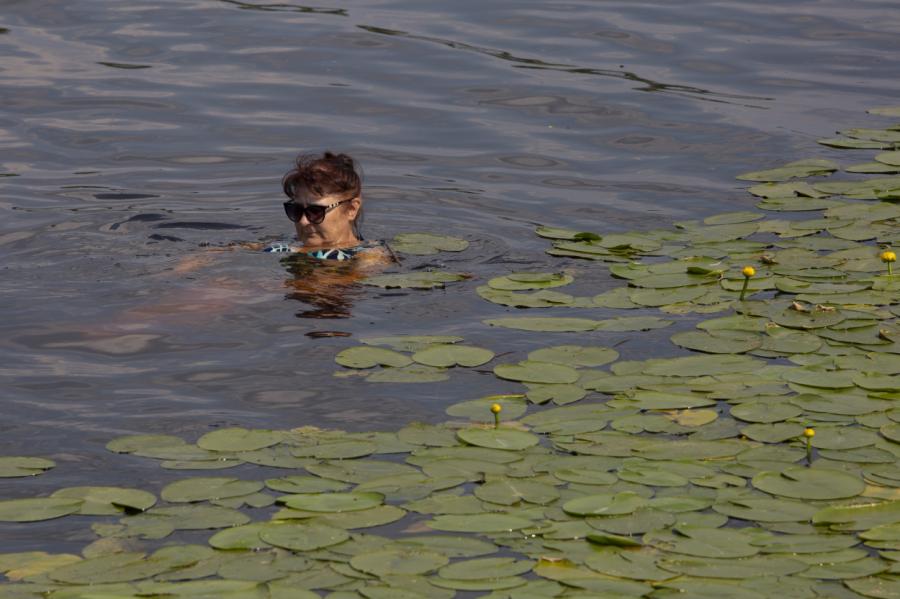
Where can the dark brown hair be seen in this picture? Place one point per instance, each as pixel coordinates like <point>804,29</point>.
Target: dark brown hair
<point>328,174</point>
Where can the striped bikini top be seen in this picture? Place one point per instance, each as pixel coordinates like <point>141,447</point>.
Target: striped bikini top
<point>335,254</point>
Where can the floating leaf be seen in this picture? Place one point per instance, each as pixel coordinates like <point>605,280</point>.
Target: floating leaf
<point>632,323</point>
<point>409,374</point>
<point>398,562</point>
<point>522,281</point>
<point>575,355</point>
<point>12,467</point>
<point>105,501</point>
<point>302,537</point>
<point>718,342</point>
<point>479,523</point>
<point>208,488</point>
<point>40,508</point>
<point>445,356</point>
<point>334,502</point>
<point>493,438</point>
<point>548,324</point>
<point>424,244</point>
<point>484,568</point>
<point>238,439</point>
<point>369,357</point>
<point>411,343</point>
<point>529,371</point>
<point>809,483</point>
<point>792,170</point>
<point>415,280</point>
<point>604,504</point>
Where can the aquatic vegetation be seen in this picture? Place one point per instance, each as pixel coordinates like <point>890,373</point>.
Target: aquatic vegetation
<point>761,464</point>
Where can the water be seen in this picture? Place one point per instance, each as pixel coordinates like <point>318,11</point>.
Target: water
<point>135,133</point>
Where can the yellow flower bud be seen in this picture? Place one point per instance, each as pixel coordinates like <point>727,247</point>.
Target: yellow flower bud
<point>748,271</point>
<point>888,256</point>
<point>496,408</point>
<point>809,432</point>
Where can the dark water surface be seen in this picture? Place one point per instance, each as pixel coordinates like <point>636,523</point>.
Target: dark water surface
<point>132,133</point>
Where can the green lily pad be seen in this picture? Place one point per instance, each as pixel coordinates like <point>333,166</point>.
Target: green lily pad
<point>632,323</point>
<point>37,509</point>
<point>370,357</point>
<point>484,568</point>
<point>523,281</point>
<point>575,355</point>
<point>399,562</point>
<point>634,565</point>
<point>859,517</point>
<point>334,502</point>
<point>511,491</point>
<point>718,342</point>
<point>704,365</point>
<point>478,523</point>
<point>106,501</point>
<point>415,280</point>
<point>445,356</point>
<point>529,371</point>
<point>451,546</point>
<point>411,343</point>
<point>765,510</point>
<point>238,439</point>
<point>512,407</point>
<point>12,467</point>
<point>493,438</point>
<point>876,587</point>
<point>240,537</point>
<point>793,170</point>
<point>703,542</point>
<point>809,483</point>
<point>546,324</point>
<point>415,373</point>
<point>748,567</point>
<point>302,537</point>
<point>425,244</point>
<point>208,488</point>
<point>604,504</point>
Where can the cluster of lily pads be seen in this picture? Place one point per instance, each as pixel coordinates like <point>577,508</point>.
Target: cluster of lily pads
<point>411,359</point>
<point>762,464</point>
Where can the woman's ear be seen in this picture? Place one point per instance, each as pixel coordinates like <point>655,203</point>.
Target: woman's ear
<point>352,208</point>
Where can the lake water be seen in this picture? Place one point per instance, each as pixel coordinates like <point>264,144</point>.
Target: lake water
<point>136,134</point>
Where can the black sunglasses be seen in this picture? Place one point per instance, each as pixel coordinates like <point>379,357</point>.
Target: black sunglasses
<point>315,213</point>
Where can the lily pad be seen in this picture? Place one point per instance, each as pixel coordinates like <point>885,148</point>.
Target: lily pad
<point>37,509</point>
<point>478,523</point>
<point>105,501</point>
<point>493,438</point>
<point>415,280</point>
<point>238,439</point>
<point>546,324</point>
<point>529,371</point>
<point>334,502</point>
<point>809,483</point>
<point>425,244</point>
<point>12,467</point>
<point>208,488</point>
<point>405,562</point>
<point>445,356</point>
<point>369,357</point>
<point>302,537</point>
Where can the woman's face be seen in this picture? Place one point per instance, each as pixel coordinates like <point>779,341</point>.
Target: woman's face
<point>336,230</point>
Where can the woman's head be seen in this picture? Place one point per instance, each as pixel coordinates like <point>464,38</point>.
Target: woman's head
<point>317,182</point>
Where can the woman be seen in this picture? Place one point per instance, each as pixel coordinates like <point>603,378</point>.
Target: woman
<point>326,207</point>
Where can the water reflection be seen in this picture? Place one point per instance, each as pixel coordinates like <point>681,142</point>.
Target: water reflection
<point>328,289</point>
